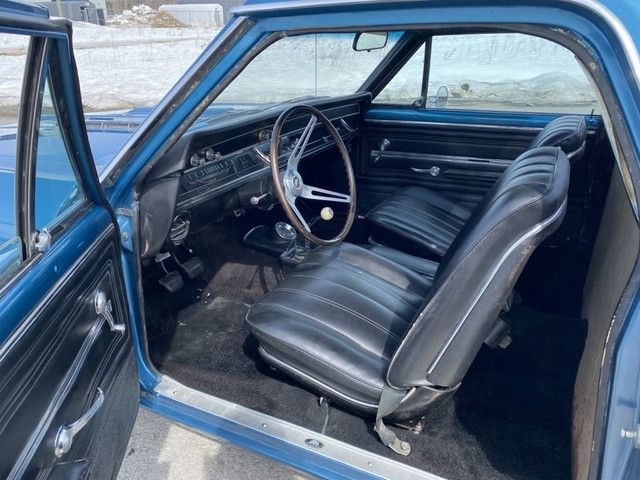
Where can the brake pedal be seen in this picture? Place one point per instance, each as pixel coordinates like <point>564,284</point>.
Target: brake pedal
<point>193,267</point>
<point>172,281</point>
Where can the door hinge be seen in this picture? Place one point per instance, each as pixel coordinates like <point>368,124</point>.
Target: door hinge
<point>124,217</point>
<point>632,435</point>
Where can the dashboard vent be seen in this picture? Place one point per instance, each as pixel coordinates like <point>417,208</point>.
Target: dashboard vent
<point>179,230</point>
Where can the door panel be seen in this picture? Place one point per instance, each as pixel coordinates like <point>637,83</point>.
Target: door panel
<point>52,366</point>
<point>469,151</point>
<point>69,388</point>
<point>459,160</point>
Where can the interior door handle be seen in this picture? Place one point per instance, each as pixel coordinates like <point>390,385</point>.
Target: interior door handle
<point>433,171</point>
<point>103,307</point>
<point>64,438</point>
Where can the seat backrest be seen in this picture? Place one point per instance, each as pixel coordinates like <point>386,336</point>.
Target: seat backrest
<point>568,132</point>
<point>480,269</point>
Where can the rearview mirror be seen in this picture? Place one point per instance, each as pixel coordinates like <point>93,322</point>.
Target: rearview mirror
<point>367,41</point>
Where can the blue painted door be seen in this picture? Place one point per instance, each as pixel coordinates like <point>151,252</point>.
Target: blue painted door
<point>69,387</point>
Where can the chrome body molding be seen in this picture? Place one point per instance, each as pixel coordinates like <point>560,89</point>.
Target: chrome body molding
<point>417,123</point>
<point>527,235</point>
<point>336,450</point>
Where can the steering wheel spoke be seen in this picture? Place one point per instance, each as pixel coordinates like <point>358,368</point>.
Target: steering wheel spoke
<point>301,144</point>
<point>315,193</point>
<point>291,200</point>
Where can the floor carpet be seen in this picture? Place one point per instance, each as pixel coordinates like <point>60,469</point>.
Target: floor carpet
<point>511,418</point>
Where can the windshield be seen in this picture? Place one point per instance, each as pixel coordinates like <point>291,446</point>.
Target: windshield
<point>303,67</point>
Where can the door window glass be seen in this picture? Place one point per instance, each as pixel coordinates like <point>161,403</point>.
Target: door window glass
<point>406,85</point>
<point>509,72</point>
<point>13,55</point>
<point>57,190</point>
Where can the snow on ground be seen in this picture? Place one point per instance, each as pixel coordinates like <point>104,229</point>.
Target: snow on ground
<point>120,66</point>
<point>132,66</point>
<point>145,15</point>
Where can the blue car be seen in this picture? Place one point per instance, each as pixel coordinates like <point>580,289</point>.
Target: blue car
<point>367,239</point>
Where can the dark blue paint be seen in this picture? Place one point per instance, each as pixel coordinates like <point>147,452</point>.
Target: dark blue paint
<point>42,275</point>
<point>24,9</point>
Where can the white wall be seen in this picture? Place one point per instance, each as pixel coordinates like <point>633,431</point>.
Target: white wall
<point>209,15</point>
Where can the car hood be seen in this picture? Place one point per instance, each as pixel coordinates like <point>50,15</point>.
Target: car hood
<point>108,132</point>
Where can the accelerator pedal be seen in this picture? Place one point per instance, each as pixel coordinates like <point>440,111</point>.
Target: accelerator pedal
<point>172,281</point>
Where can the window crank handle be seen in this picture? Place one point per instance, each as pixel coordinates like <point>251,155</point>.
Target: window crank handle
<point>384,145</point>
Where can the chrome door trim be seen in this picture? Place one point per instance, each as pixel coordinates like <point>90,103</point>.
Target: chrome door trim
<point>295,435</point>
<point>478,126</point>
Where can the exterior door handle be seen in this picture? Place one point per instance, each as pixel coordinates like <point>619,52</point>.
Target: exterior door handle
<point>103,307</point>
<point>64,438</point>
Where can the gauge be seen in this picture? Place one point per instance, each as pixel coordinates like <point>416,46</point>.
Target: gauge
<point>195,160</point>
<point>264,135</point>
<point>210,154</point>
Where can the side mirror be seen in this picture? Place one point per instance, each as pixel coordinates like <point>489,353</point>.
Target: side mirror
<point>442,96</point>
<point>367,41</point>
<point>441,99</point>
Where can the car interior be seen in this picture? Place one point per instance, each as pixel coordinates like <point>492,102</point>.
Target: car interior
<point>439,288</point>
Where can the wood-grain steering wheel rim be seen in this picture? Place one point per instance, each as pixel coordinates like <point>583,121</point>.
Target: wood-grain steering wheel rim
<point>288,191</point>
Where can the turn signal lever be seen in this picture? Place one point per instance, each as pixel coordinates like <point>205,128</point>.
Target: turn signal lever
<point>256,200</point>
<point>258,193</point>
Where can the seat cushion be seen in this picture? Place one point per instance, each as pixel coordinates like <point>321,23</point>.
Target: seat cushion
<point>421,265</point>
<point>336,320</point>
<point>417,220</point>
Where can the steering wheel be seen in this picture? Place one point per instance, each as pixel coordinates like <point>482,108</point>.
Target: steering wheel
<point>290,186</point>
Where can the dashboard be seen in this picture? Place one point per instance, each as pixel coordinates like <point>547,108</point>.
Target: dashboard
<point>218,159</point>
<point>204,181</point>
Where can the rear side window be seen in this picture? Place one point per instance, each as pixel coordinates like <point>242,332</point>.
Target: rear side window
<point>506,72</point>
